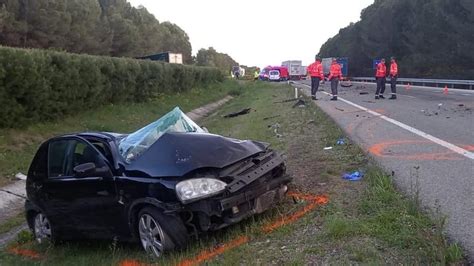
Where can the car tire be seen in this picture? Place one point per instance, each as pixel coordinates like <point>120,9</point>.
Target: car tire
<point>42,229</point>
<point>159,233</point>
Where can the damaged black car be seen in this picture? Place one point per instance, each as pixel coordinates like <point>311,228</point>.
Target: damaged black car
<point>161,185</point>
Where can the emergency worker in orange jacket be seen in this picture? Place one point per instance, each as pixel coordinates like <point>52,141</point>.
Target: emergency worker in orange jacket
<point>335,74</point>
<point>380,75</point>
<point>393,77</point>
<point>315,71</point>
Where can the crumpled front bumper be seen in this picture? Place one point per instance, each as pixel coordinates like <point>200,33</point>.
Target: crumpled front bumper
<point>259,193</point>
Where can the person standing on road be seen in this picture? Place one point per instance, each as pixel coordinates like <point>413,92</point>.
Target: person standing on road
<point>335,74</point>
<point>380,78</point>
<point>315,71</point>
<point>256,74</point>
<point>393,77</point>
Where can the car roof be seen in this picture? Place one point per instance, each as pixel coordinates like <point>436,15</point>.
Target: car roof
<point>108,136</point>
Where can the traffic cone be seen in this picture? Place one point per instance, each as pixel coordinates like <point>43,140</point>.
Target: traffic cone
<point>445,91</point>
<point>408,87</point>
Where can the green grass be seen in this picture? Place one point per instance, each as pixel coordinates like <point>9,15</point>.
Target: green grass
<point>17,146</point>
<point>366,222</point>
<point>17,220</point>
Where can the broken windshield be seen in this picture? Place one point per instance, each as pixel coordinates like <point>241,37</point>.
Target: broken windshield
<point>138,142</point>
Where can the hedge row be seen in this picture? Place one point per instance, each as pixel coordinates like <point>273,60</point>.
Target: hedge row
<point>39,85</point>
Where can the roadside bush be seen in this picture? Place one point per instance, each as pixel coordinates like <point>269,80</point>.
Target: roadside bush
<point>39,85</point>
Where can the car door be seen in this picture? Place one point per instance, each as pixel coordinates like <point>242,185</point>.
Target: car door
<point>81,203</point>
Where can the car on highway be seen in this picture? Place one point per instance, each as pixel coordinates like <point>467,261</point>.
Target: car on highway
<point>159,186</point>
<point>274,75</point>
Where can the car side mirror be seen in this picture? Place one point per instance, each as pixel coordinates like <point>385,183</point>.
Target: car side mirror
<point>84,169</point>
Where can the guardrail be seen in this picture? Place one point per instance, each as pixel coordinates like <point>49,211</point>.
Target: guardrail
<point>461,84</point>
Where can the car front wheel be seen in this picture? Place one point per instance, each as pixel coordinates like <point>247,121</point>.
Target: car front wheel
<point>153,233</point>
<point>42,228</point>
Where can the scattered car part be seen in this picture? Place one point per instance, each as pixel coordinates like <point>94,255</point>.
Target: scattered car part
<point>300,103</point>
<point>355,176</point>
<point>271,117</point>
<point>242,112</point>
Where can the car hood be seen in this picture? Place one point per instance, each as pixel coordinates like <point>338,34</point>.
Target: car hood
<point>176,154</point>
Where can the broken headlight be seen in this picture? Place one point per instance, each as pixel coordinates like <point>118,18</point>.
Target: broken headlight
<point>198,188</point>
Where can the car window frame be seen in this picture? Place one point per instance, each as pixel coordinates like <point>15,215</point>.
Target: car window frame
<point>69,158</point>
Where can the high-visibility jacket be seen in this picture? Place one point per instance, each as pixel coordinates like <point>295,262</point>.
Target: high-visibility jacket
<point>394,69</point>
<point>316,70</point>
<point>381,70</point>
<point>335,71</point>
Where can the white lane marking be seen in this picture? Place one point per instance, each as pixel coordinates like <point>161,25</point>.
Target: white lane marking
<point>438,89</point>
<point>413,130</point>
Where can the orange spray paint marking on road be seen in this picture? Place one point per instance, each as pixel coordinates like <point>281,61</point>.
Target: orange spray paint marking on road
<point>131,263</point>
<point>380,111</point>
<point>313,200</point>
<point>209,254</point>
<point>380,150</point>
<point>26,253</point>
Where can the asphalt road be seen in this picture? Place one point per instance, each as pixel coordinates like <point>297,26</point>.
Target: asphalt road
<point>425,137</point>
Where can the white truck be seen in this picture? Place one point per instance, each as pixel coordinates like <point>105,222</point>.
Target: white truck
<point>237,72</point>
<point>295,69</point>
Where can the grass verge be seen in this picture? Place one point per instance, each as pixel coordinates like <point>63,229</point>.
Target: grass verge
<point>9,224</point>
<point>365,222</point>
<point>17,146</point>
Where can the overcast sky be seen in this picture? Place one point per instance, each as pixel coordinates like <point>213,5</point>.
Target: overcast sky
<point>255,32</point>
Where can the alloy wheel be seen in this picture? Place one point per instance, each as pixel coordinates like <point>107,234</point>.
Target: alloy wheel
<point>42,228</point>
<point>151,235</point>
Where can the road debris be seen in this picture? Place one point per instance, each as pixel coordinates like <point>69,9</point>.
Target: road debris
<point>327,148</point>
<point>20,176</point>
<point>300,103</point>
<point>355,176</point>
<point>275,128</point>
<point>287,101</point>
<point>363,93</point>
<point>340,141</point>
<point>242,112</point>
<point>368,101</point>
<point>339,109</point>
<point>271,117</point>
<point>346,84</point>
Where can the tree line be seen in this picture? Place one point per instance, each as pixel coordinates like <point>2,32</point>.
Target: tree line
<point>430,38</point>
<point>97,27</point>
<point>210,57</point>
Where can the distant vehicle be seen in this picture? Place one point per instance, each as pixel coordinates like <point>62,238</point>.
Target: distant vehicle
<point>274,75</point>
<point>173,58</point>
<point>344,62</point>
<point>295,68</point>
<point>304,70</point>
<point>237,72</point>
<point>158,186</point>
<point>264,73</point>
<point>284,74</point>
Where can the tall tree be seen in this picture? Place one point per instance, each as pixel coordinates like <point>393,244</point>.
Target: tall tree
<point>105,27</point>
<point>212,58</point>
<point>431,38</point>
